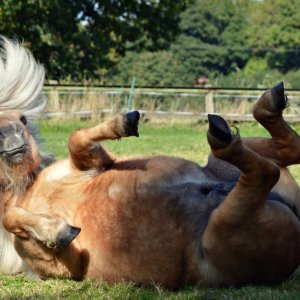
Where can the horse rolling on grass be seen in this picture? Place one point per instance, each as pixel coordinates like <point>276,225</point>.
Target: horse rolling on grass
<point>153,219</point>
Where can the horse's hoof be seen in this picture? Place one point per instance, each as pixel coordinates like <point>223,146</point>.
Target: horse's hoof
<point>66,237</point>
<point>219,129</point>
<point>279,99</point>
<point>271,104</point>
<point>131,120</point>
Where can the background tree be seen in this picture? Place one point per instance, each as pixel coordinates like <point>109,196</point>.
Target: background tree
<point>211,41</point>
<point>274,34</point>
<point>150,68</point>
<point>161,42</point>
<point>83,38</point>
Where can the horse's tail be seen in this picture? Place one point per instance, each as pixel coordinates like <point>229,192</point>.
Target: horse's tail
<point>21,79</point>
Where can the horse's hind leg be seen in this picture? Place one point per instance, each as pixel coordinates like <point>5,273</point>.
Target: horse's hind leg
<point>86,153</point>
<point>284,145</point>
<point>254,168</point>
<point>248,239</point>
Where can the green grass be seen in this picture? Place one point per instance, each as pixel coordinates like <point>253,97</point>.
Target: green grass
<point>184,140</point>
<point>187,140</point>
<point>17,287</point>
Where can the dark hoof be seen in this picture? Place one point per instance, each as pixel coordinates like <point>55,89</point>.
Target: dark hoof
<point>66,237</point>
<point>131,121</point>
<point>219,128</point>
<point>280,100</point>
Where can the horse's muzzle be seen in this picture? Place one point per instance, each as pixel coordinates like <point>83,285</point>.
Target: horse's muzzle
<point>15,155</point>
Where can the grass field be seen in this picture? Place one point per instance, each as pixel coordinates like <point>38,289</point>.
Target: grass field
<point>184,140</point>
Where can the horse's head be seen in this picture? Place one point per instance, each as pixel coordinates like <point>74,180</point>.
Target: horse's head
<point>19,156</point>
<point>21,83</point>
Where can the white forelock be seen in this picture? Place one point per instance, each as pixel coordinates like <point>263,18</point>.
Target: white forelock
<point>21,79</point>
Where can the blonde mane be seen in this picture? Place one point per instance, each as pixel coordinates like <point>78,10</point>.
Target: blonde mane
<point>21,79</point>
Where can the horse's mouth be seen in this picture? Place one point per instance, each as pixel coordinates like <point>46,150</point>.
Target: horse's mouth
<point>15,155</point>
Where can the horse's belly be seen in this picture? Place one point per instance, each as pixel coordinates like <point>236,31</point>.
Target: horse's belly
<point>131,240</point>
<point>136,230</point>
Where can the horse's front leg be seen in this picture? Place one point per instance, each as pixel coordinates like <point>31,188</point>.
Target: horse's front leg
<point>86,153</point>
<point>50,231</point>
<point>248,239</point>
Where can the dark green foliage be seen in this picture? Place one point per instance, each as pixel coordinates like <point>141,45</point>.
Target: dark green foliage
<point>150,68</point>
<point>210,42</point>
<point>212,39</point>
<point>216,31</point>
<point>274,33</point>
<point>232,42</point>
<point>81,39</point>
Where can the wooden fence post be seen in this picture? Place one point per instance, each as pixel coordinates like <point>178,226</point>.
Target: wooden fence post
<point>209,102</point>
<point>129,101</point>
<point>53,100</point>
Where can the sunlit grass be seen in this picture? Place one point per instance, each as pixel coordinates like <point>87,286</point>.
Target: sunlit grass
<point>186,140</point>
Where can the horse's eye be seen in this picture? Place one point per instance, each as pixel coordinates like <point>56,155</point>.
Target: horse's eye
<point>23,119</point>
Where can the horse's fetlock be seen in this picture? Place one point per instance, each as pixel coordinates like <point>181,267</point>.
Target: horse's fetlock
<point>265,173</point>
<point>272,173</point>
<point>235,148</point>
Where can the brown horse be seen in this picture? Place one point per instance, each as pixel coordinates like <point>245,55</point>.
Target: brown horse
<point>156,219</point>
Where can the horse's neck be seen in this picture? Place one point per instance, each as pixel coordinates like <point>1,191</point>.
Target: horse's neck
<point>12,195</point>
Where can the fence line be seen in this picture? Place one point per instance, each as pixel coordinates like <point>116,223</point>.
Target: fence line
<point>87,102</point>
